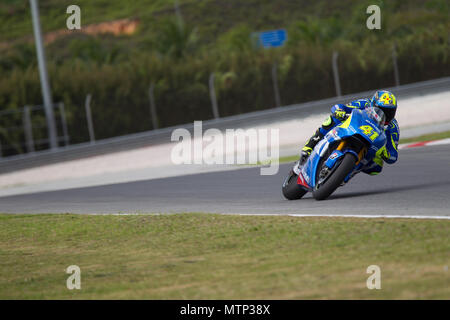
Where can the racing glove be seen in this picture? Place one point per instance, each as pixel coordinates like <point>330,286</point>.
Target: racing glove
<point>340,114</point>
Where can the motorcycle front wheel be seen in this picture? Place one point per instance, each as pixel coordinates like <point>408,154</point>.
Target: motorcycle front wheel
<point>323,191</point>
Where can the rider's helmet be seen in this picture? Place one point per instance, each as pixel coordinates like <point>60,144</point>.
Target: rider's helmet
<point>387,102</point>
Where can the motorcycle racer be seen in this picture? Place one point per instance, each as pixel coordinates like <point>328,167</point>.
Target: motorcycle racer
<point>383,100</point>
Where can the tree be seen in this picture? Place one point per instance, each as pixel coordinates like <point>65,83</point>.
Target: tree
<point>176,39</point>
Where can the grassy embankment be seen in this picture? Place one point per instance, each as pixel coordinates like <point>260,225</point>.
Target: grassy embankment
<point>206,256</point>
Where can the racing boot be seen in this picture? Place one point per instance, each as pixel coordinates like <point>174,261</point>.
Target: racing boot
<point>309,146</point>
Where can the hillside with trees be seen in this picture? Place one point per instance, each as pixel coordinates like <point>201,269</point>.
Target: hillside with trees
<point>178,55</point>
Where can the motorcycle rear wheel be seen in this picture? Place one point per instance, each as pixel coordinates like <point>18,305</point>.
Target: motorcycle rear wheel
<point>337,177</point>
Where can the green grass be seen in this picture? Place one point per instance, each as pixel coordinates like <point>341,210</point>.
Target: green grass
<point>427,137</point>
<point>289,159</point>
<point>206,256</point>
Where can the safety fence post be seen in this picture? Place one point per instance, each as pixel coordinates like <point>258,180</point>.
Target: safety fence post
<point>27,128</point>
<point>89,118</point>
<point>62,114</point>
<point>151,95</point>
<point>337,82</point>
<point>212,94</point>
<point>275,85</point>
<point>394,60</point>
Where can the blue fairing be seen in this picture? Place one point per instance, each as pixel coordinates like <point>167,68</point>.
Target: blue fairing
<point>370,131</point>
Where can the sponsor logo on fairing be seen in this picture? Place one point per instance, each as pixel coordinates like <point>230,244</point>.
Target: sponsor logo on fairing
<point>334,156</point>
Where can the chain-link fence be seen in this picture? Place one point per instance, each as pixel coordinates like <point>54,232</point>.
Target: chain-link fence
<point>24,130</point>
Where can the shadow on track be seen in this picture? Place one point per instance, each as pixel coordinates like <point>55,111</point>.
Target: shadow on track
<point>388,190</point>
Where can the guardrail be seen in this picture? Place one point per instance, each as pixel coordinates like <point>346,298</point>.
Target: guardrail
<point>162,135</point>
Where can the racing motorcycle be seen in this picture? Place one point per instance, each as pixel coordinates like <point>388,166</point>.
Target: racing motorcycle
<point>342,153</point>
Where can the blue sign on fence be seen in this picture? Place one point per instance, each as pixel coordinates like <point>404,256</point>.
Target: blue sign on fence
<point>272,38</point>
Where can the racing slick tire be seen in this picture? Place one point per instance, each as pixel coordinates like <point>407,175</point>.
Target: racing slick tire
<point>346,166</point>
<point>291,190</point>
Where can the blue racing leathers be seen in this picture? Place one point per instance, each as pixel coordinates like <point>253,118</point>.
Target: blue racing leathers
<point>389,153</point>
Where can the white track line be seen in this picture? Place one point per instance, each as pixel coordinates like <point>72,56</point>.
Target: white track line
<point>365,216</point>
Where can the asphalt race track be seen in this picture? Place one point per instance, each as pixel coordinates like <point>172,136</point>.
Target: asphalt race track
<point>418,184</point>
